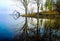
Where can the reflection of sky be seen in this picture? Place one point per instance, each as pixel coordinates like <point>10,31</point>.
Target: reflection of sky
<point>8,25</point>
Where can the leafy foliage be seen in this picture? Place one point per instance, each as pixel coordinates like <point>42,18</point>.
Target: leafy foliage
<point>41,7</point>
<point>58,1</point>
<point>48,4</point>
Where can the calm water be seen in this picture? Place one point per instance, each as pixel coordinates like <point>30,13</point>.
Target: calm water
<point>8,26</point>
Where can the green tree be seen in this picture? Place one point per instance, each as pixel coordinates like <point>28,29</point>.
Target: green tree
<point>41,7</point>
<point>58,1</point>
<point>48,4</point>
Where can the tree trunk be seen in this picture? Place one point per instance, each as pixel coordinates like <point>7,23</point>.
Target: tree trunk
<point>37,20</point>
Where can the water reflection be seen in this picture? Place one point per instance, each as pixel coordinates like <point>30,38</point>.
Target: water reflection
<point>47,31</point>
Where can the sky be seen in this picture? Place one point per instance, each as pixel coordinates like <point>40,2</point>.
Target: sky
<point>8,25</point>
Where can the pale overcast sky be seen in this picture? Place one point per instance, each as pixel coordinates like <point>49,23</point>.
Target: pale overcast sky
<point>7,22</point>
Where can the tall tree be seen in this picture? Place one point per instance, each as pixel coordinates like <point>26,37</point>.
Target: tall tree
<point>38,3</point>
<point>25,4</point>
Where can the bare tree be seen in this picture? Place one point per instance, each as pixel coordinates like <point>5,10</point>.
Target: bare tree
<point>25,4</point>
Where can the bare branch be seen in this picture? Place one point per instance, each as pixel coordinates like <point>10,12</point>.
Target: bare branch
<point>25,2</point>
